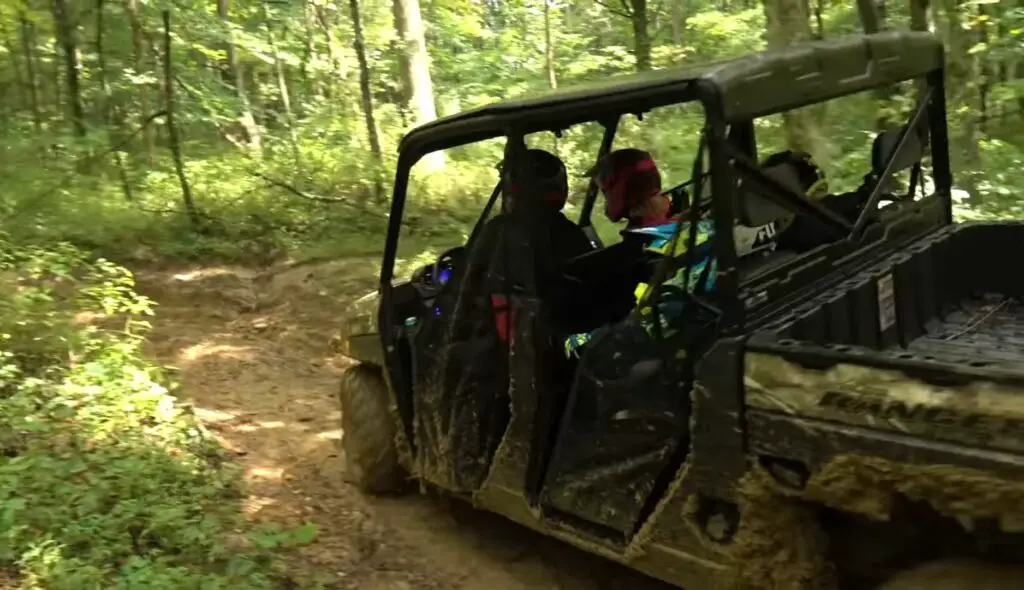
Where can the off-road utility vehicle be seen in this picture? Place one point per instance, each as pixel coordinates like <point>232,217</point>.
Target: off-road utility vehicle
<point>825,418</point>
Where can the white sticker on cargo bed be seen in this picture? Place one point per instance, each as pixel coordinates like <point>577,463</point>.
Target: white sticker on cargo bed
<point>886,303</point>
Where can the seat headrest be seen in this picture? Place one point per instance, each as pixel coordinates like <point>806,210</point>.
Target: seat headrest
<point>885,145</point>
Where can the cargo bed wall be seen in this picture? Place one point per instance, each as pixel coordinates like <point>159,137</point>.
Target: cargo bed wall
<point>953,296</point>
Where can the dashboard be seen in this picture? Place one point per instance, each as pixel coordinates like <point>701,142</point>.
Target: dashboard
<point>428,280</point>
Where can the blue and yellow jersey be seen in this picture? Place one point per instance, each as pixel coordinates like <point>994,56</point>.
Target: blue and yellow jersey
<point>667,239</point>
<point>661,239</point>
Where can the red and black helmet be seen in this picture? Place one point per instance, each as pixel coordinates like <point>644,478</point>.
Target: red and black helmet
<point>541,175</point>
<point>627,177</point>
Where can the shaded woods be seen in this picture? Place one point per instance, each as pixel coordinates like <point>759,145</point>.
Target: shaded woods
<point>244,129</point>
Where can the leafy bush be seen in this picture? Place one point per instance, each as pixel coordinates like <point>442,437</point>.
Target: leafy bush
<point>105,481</point>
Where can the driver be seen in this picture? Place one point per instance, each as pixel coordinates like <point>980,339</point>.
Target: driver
<point>536,191</point>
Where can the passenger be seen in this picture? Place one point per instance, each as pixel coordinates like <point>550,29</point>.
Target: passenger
<point>632,187</point>
<point>631,184</point>
<point>802,233</point>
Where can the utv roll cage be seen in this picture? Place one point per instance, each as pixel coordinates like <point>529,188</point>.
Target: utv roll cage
<point>732,93</point>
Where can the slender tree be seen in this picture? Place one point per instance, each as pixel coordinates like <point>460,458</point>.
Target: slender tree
<point>418,88</point>
<point>788,23</point>
<point>366,96</point>
<point>172,130</point>
<point>65,30</point>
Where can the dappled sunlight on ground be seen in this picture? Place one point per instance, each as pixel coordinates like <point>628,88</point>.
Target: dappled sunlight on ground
<point>204,349</point>
<point>198,274</point>
<point>253,504</point>
<point>264,382</point>
<point>271,473</point>
<point>87,318</point>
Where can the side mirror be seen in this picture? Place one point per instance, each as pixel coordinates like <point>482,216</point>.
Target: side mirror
<point>885,146</point>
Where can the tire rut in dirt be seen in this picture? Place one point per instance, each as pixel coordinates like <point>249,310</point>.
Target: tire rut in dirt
<point>958,574</point>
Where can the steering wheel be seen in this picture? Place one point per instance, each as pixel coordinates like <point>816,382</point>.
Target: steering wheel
<point>441,271</point>
<point>676,193</point>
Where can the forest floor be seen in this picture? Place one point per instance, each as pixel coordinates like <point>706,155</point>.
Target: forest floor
<point>251,351</point>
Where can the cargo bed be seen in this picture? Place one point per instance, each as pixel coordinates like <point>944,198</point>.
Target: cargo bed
<point>953,297</point>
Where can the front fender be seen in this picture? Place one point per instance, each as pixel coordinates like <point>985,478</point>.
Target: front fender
<point>359,336</point>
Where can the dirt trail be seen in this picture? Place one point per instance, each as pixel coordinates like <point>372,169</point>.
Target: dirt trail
<point>252,353</point>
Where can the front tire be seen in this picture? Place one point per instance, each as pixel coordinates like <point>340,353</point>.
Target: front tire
<point>368,432</point>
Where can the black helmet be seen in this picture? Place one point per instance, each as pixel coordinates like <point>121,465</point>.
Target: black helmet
<point>812,177</point>
<point>541,174</point>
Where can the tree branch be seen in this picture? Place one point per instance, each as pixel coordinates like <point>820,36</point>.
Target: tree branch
<point>284,185</point>
<point>614,11</point>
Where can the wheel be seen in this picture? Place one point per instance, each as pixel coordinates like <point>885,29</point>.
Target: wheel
<point>368,432</point>
<point>957,574</point>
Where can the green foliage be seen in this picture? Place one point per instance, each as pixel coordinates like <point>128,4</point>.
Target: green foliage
<point>316,185</point>
<point>105,480</point>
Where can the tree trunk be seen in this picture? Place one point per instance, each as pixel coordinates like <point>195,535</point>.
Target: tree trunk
<point>58,82</point>
<point>332,57</point>
<point>788,23</point>
<point>308,48</point>
<point>418,90</point>
<point>12,54</point>
<point>920,15</point>
<point>872,20</point>
<point>138,59</point>
<point>962,91</point>
<point>418,87</point>
<point>247,120</point>
<point>172,130</point>
<point>641,36</point>
<point>1001,69</point>
<point>819,21</point>
<point>28,47</point>
<point>65,32</point>
<point>678,21</point>
<point>101,66</point>
<point>366,97</point>
<point>549,47</point>
<point>983,69</point>
<point>282,84</point>
<point>108,110</point>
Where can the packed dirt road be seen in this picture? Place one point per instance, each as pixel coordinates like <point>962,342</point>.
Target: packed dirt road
<point>251,352</point>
